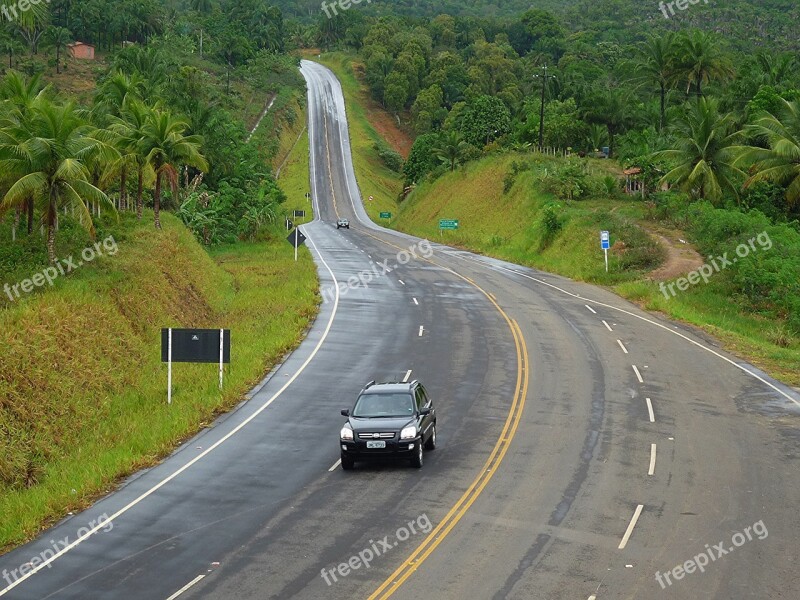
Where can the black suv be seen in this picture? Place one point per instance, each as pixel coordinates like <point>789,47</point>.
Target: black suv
<point>389,420</point>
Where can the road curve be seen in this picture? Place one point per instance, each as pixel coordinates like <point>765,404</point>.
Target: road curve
<point>584,447</point>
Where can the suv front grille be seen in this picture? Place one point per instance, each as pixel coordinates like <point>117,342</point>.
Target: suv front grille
<point>386,435</point>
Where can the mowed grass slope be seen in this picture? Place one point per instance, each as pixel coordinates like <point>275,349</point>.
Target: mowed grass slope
<point>82,386</point>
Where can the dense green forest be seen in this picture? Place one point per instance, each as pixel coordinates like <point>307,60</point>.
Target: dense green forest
<point>163,121</point>
<point>704,101</point>
<point>706,104</point>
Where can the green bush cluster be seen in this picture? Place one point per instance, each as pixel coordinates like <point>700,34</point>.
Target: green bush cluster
<point>390,158</point>
<point>766,278</point>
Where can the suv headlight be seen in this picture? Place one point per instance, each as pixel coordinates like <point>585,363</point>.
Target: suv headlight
<point>346,433</point>
<point>409,433</point>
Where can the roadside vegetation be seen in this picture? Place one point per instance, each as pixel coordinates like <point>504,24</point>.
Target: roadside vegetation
<point>144,154</point>
<point>707,132</point>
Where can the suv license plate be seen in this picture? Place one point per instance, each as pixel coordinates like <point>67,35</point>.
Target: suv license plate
<point>376,444</point>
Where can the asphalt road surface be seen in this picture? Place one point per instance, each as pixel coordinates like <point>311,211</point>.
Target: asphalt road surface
<point>586,449</point>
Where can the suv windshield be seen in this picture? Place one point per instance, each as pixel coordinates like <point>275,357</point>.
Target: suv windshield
<point>384,405</point>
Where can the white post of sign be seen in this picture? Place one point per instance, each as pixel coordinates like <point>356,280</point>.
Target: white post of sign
<point>221,339</point>
<point>169,366</point>
<point>605,251</point>
<point>296,235</point>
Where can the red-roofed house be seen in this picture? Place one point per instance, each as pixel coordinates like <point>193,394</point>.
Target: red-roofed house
<point>81,50</point>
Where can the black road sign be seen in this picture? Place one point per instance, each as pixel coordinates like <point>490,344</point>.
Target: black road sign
<point>300,214</point>
<point>299,240</point>
<point>289,224</point>
<point>196,345</point>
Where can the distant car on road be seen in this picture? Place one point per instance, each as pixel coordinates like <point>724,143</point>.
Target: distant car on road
<point>389,420</point>
<point>342,223</point>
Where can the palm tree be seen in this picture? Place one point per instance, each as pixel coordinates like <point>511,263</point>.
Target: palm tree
<point>611,107</point>
<point>45,158</point>
<point>701,60</point>
<point>117,89</point>
<point>58,38</point>
<point>656,64</point>
<point>776,68</point>
<point>32,23</point>
<point>130,129</point>
<point>10,46</point>
<point>780,163</point>
<point>450,149</point>
<point>21,94</point>
<point>166,149</point>
<point>705,152</point>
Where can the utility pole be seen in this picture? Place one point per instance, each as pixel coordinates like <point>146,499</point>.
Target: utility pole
<point>544,77</point>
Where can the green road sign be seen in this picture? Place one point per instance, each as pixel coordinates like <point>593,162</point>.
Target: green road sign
<point>448,223</point>
<point>386,215</point>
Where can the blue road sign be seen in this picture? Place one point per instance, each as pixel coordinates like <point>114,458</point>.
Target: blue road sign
<point>605,241</point>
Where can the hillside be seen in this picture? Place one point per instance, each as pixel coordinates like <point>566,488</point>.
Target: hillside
<point>505,210</point>
<point>82,386</point>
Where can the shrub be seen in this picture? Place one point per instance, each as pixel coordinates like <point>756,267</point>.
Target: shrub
<point>389,157</point>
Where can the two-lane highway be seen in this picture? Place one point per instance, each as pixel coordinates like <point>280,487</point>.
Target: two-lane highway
<point>551,395</point>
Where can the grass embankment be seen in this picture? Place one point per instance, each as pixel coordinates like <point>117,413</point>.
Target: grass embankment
<point>82,386</point>
<point>293,179</point>
<point>510,226</point>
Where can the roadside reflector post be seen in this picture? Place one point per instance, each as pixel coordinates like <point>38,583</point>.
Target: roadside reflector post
<point>169,366</point>
<point>221,350</point>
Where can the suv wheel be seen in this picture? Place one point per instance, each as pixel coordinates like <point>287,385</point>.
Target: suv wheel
<point>348,463</point>
<point>416,461</point>
<point>431,443</point>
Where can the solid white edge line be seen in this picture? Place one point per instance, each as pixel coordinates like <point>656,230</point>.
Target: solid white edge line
<point>594,312</point>
<point>186,587</point>
<point>335,466</point>
<point>646,320</point>
<point>563,291</point>
<point>652,468</point>
<point>650,410</point>
<point>621,345</point>
<point>631,525</point>
<point>638,375</point>
<point>200,456</point>
<point>407,377</point>
<point>607,326</point>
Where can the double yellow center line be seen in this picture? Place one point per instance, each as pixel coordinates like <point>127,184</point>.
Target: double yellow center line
<point>437,535</point>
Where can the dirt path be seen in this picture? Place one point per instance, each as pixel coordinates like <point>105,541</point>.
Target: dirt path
<point>681,256</point>
<point>383,122</point>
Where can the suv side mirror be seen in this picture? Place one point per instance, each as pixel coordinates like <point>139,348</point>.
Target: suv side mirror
<point>424,411</point>
<point>345,412</point>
